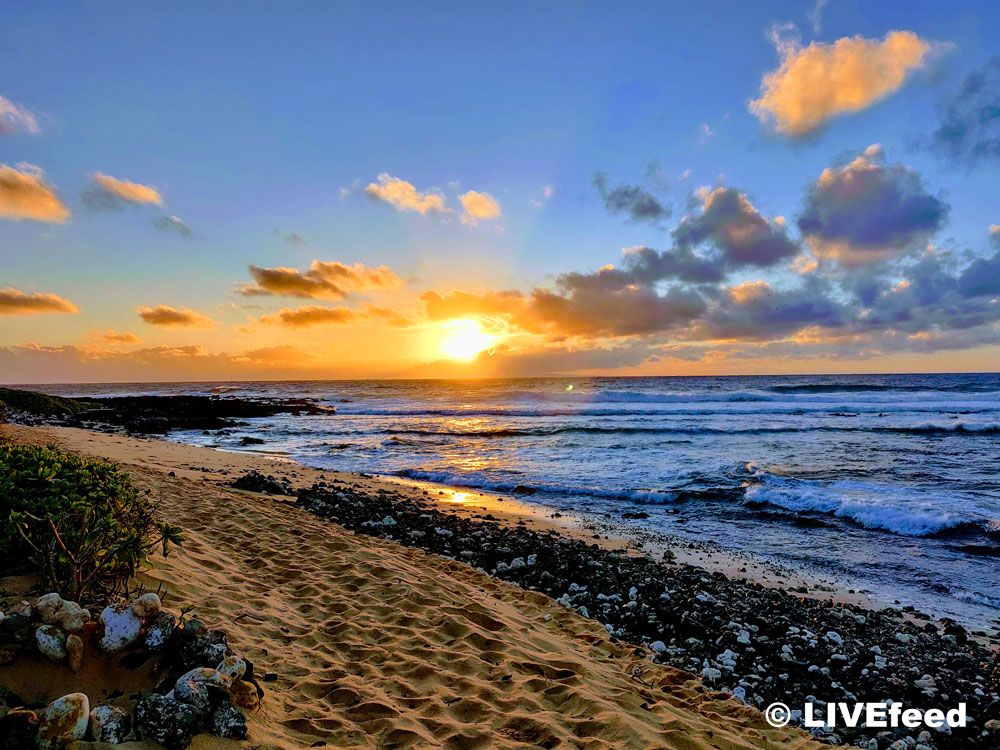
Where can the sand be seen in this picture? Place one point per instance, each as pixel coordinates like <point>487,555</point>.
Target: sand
<point>377,645</point>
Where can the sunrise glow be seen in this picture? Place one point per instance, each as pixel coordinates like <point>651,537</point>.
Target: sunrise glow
<point>464,340</point>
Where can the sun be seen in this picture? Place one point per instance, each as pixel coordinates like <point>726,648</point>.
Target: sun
<point>464,340</point>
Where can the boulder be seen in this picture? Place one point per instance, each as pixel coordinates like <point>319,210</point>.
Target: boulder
<point>74,648</point>
<point>199,686</point>
<point>228,722</point>
<point>51,642</point>
<point>109,724</point>
<point>120,627</point>
<point>166,720</point>
<point>147,605</point>
<point>244,694</point>
<point>64,721</point>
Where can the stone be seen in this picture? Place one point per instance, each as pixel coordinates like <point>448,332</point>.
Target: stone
<point>147,605</point>
<point>120,627</point>
<point>166,720</point>
<point>228,722</point>
<point>65,720</point>
<point>196,687</point>
<point>196,626</point>
<point>74,648</point>
<point>244,694</point>
<point>54,610</point>
<point>51,642</point>
<point>24,609</point>
<point>158,631</point>
<point>109,724</point>
<point>208,649</point>
<point>232,667</point>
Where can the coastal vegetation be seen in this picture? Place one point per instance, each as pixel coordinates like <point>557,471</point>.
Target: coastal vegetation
<point>80,524</point>
<point>38,404</point>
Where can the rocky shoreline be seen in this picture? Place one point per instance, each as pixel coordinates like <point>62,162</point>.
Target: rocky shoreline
<point>760,644</point>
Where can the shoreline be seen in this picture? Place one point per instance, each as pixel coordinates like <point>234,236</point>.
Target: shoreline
<point>700,603</point>
<point>376,644</point>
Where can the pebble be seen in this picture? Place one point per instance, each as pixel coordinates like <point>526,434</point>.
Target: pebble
<point>158,631</point>
<point>74,649</point>
<point>228,722</point>
<point>147,605</point>
<point>109,724</point>
<point>166,720</point>
<point>232,667</point>
<point>54,610</point>
<point>196,687</point>
<point>120,627</point>
<point>51,642</point>
<point>64,721</point>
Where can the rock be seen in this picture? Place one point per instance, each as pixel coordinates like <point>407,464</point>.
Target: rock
<point>244,694</point>
<point>74,648</point>
<point>109,724</point>
<point>120,627</point>
<point>834,637</point>
<point>65,720</point>
<point>658,646</point>
<point>195,626</point>
<point>228,722</point>
<point>232,667</point>
<point>51,642</point>
<point>147,605</point>
<point>166,720</point>
<point>158,631</point>
<point>208,649</point>
<point>24,609</point>
<point>54,610</point>
<point>196,687</point>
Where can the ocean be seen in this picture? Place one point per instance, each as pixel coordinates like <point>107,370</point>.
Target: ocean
<point>887,483</point>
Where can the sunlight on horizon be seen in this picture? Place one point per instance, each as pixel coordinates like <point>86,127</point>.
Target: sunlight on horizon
<point>464,340</point>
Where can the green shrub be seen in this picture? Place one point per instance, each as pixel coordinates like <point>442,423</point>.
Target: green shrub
<point>40,404</point>
<point>78,523</point>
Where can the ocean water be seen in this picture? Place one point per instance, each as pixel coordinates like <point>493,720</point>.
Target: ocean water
<point>887,483</point>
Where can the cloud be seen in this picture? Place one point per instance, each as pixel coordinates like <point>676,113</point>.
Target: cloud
<point>969,129</point>
<point>172,224</point>
<point>639,204</point>
<point>16,302</point>
<point>820,81</point>
<point>16,119</point>
<point>295,240</point>
<point>323,280</point>
<point>164,315</point>
<point>110,193</point>
<point>24,194</point>
<point>275,354</point>
<point>109,336</point>
<point>403,196</point>
<point>478,207</point>
<point>816,16</point>
<point>737,230</point>
<point>310,315</point>
<point>981,278</point>
<point>869,211</point>
<point>390,317</point>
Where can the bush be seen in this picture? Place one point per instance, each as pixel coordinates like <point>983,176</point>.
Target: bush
<point>40,404</point>
<point>78,523</point>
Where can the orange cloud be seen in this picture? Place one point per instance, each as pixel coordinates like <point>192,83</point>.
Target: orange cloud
<point>478,207</point>
<point>820,81</point>
<point>164,315</point>
<point>310,315</point>
<point>109,336</point>
<point>132,192</point>
<point>16,302</point>
<point>24,194</point>
<point>403,196</point>
<point>323,280</point>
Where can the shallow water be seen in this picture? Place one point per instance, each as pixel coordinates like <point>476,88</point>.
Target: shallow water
<point>887,482</point>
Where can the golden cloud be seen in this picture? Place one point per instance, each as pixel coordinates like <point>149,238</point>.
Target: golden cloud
<point>24,194</point>
<point>310,315</point>
<point>132,192</point>
<point>15,302</point>
<point>820,81</point>
<point>164,315</point>
<point>109,336</point>
<point>479,207</point>
<point>323,280</point>
<point>403,196</point>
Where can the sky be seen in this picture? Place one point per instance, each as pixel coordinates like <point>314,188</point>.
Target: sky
<point>262,190</point>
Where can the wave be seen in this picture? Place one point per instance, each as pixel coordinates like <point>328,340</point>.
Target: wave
<point>633,429</point>
<point>872,506</point>
<point>477,481</point>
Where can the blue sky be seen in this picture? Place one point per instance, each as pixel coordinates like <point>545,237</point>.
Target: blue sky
<point>254,117</point>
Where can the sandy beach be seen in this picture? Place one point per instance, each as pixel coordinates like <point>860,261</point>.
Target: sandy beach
<point>377,645</point>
